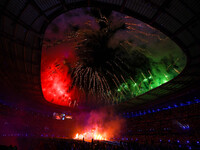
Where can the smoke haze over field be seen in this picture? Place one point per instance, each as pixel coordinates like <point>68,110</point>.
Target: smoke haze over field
<point>104,121</point>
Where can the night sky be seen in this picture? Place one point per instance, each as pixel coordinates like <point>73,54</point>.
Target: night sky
<point>102,57</point>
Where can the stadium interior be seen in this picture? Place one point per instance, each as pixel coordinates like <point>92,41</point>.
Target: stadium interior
<point>99,74</point>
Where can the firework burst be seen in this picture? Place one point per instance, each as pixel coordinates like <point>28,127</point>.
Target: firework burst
<point>100,68</point>
<point>106,59</point>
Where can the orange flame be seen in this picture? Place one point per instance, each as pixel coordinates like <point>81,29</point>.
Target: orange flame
<point>91,134</point>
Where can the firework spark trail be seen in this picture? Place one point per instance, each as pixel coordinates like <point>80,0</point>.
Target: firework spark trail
<point>110,66</point>
<point>115,83</point>
<point>69,38</point>
<point>83,75</point>
<point>54,43</point>
<point>135,84</point>
<point>97,89</point>
<point>125,82</point>
<point>78,69</point>
<point>90,77</point>
<point>176,61</point>
<point>93,82</point>
<point>75,79</point>
<point>144,33</point>
<point>144,76</point>
<point>127,45</point>
<point>100,81</point>
<point>124,63</point>
<point>172,64</point>
<point>108,93</point>
<point>123,79</point>
<point>128,17</point>
<point>106,84</point>
<point>139,24</point>
<point>166,76</point>
<point>123,89</point>
<point>150,84</point>
<point>140,38</point>
<point>80,78</point>
<point>86,75</point>
<point>117,79</point>
<point>118,66</point>
<point>176,70</point>
<point>117,86</point>
<point>131,24</point>
<point>168,67</point>
<point>120,60</point>
<point>151,75</point>
<point>97,82</point>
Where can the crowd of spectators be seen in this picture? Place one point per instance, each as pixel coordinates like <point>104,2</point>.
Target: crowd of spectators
<point>177,128</point>
<point>64,144</point>
<point>179,124</point>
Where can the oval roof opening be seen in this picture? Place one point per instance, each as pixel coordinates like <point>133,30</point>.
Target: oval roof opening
<point>93,56</point>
